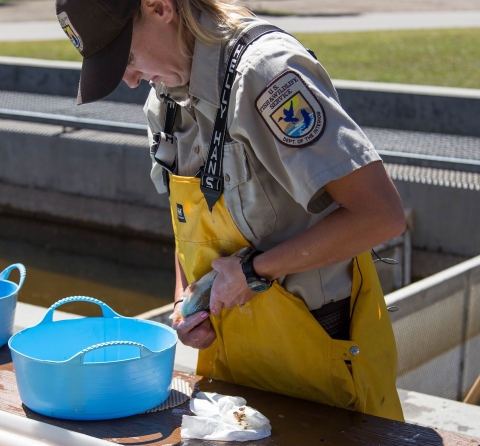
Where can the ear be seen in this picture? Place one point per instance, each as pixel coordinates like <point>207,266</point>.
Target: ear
<point>160,9</point>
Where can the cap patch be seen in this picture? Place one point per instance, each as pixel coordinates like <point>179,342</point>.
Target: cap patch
<point>291,111</point>
<point>70,31</point>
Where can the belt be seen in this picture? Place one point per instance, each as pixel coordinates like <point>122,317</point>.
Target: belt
<point>335,318</point>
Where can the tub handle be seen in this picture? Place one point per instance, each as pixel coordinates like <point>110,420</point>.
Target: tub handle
<point>80,356</point>
<point>6,272</point>
<point>106,310</point>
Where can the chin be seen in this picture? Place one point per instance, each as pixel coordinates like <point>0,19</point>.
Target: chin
<point>176,81</point>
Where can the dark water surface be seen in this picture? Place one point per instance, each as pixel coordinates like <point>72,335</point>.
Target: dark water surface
<point>132,275</point>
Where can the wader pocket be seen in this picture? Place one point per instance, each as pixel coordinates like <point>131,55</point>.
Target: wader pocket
<point>342,377</point>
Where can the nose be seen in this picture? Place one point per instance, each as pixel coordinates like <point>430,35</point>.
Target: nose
<point>132,77</point>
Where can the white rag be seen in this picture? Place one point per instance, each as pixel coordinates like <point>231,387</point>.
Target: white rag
<point>224,418</point>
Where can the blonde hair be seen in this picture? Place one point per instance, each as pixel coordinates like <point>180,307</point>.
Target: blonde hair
<point>226,14</point>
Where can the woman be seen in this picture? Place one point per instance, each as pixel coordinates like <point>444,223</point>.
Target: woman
<point>251,143</point>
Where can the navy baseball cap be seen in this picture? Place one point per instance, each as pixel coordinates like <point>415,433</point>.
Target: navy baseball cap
<point>101,30</point>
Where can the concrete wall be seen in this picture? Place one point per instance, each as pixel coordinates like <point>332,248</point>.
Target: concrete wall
<point>56,78</point>
<point>44,172</point>
<point>412,107</point>
<point>395,106</point>
<point>85,182</point>
<point>107,184</point>
<point>444,218</point>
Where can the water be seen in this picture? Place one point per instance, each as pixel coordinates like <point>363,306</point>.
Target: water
<point>130,274</point>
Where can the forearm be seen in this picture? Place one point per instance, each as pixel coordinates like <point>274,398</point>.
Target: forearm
<point>366,218</point>
<point>180,279</point>
<point>340,236</point>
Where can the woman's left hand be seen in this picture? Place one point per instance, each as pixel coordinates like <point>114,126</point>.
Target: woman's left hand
<point>230,287</point>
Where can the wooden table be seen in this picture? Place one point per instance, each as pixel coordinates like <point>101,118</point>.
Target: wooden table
<point>294,422</point>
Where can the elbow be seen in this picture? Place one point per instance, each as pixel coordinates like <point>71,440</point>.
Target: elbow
<point>393,221</point>
<point>398,226</point>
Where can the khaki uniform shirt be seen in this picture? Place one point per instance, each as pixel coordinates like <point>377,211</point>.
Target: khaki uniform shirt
<point>273,181</point>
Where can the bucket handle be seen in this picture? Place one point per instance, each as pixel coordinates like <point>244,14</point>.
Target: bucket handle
<point>79,357</point>
<point>106,310</point>
<point>6,272</point>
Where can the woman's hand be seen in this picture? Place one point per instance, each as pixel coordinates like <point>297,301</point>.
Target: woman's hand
<point>230,287</point>
<point>195,331</point>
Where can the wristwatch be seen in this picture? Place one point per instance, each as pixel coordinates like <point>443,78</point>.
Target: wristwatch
<point>254,281</point>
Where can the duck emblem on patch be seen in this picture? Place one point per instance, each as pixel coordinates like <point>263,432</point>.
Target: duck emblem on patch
<point>291,111</point>
<point>70,31</point>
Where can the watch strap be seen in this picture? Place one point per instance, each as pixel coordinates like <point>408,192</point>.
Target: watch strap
<point>251,274</point>
<point>247,263</point>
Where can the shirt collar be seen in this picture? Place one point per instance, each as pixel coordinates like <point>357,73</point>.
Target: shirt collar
<point>207,67</point>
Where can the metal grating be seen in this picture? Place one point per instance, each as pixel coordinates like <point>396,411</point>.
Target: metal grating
<point>107,138</point>
<point>83,135</point>
<point>436,177</point>
<point>7,125</point>
<point>425,150</point>
<point>449,146</point>
<point>66,106</point>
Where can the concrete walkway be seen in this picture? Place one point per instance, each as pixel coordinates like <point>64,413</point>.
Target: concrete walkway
<point>28,31</point>
<point>349,7</point>
<point>26,10</point>
<point>50,30</point>
<point>379,21</point>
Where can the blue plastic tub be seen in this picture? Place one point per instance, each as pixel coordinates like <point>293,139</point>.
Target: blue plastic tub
<point>8,300</point>
<point>93,368</point>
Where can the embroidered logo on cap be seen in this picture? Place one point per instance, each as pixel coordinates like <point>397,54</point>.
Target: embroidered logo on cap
<point>291,111</point>
<point>70,31</point>
<point>180,214</point>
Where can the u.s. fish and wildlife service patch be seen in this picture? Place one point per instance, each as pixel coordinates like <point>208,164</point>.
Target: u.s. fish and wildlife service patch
<point>291,111</point>
<point>70,31</point>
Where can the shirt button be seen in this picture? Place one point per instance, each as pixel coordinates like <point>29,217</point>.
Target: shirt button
<point>227,178</point>
<point>197,149</point>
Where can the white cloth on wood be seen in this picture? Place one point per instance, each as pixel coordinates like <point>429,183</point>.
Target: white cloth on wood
<point>224,418</point>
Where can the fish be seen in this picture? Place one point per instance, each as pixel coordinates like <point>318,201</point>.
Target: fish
<point>196,297</point>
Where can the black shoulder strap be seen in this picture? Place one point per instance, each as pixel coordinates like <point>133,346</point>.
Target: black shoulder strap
<point>170,115</point>
<point>211,182</point>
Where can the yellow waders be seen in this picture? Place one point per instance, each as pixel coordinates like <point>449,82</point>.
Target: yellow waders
<point>273,342</point>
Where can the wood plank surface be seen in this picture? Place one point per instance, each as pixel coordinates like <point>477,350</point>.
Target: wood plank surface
<point>294,422</point>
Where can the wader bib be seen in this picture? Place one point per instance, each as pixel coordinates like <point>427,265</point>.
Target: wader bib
<point>273,343</point>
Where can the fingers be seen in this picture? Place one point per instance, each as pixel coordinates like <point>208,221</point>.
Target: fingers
<point>195,331</point>
<point>206,335</point>
<point>185,325</point>
<point>216,304</point>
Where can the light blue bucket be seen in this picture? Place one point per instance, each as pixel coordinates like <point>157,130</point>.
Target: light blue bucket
<point>93,368</point>
<point>8,300</point>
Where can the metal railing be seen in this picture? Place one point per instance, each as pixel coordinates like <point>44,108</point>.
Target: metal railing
<point>437,329</point>
<point>431,161</point>
<point>73,121</point>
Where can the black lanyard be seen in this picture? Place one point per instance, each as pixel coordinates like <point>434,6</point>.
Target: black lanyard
<point>211,183</point>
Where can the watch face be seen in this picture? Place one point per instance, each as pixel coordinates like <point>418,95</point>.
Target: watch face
<point>257,285</point>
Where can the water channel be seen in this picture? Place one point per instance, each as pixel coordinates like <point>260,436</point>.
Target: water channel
<point>131,274</point>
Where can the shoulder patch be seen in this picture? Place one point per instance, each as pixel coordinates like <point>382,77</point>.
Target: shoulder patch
<point>291,111</point>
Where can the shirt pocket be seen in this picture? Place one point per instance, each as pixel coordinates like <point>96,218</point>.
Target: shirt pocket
<point>245,197</point>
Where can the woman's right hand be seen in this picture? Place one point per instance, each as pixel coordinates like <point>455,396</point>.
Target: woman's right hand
<point>195,331</point>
